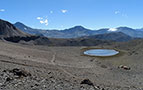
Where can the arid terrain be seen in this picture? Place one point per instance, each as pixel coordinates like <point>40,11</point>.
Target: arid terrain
<point>31,67</point>
<point>71,45</point>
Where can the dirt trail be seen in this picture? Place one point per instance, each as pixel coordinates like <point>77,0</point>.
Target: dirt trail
<point>53,59</point>
<point>53,63</point>
<point>66,72</point>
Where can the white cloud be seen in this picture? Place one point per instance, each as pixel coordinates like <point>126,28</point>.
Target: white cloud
<point>43,21</point>
<point>46,22</point>
<point>63,11</point>
<point>51,12</point>
<point>125,15</point>
<point>2,10</point>
<point>121,14</point>
<point>117,12</point>
<point>113,29</point>
<point>39,18</point>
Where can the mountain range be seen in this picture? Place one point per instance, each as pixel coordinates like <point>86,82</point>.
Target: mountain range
<point>78,31</point>
<point>8,32</point>
<point>76,36</point>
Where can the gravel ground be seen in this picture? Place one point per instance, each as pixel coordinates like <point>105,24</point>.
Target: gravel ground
<point>24,67</point>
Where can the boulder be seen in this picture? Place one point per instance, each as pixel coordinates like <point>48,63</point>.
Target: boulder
<point>124,67</point>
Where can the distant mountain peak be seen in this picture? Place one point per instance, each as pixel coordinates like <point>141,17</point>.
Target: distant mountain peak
<point>79,27</point>
<point>21,26</point>
<point>19,23</point>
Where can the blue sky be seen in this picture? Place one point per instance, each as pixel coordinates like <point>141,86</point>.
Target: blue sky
<point>61,14</point>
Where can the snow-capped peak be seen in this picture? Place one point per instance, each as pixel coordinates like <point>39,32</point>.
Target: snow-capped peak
<point>113,29</point>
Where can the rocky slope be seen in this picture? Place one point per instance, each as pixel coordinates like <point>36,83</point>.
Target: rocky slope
<point>8,30</point>
<point>113,36</point>
<point>10,33</point>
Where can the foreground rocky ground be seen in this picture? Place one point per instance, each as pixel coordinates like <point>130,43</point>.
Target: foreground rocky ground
<point>37,76</point>
<point>24,67</point>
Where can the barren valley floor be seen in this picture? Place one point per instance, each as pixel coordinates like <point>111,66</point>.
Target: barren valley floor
<point>31,67</point>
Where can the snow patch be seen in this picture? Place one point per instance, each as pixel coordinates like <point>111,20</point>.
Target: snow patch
<point>25,28</point>
<point>113,29</point>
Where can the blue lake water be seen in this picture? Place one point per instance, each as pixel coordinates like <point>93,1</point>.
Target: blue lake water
<point>101,52</point>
